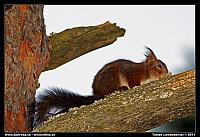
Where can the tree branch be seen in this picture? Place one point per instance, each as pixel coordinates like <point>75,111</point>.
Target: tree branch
<point>75,42</point>
<point>139,109</point>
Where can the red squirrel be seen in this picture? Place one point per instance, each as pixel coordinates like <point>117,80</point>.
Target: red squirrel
<point>118,75</point>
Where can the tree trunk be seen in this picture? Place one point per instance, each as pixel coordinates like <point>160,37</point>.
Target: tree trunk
<point>27,54</point>
<point>136,110</point>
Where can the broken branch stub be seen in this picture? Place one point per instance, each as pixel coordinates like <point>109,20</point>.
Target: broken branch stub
<point>72,43</point>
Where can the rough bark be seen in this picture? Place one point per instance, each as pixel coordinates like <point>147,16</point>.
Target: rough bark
<point>136,110</point>
<point>72,43</point>
<point>27,53</point>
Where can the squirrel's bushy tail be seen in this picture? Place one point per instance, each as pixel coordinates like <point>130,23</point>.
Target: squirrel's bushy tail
<point>58,98</point>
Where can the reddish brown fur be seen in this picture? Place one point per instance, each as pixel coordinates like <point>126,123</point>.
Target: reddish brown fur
<point>124,74</point>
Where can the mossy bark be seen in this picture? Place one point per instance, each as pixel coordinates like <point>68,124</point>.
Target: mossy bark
<point>72,43</point>
<point>136,110</point>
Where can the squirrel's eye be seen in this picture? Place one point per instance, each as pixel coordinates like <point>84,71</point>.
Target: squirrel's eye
<point>159,66</point>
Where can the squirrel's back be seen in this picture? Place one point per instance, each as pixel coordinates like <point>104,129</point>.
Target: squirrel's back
<point>110,77</point>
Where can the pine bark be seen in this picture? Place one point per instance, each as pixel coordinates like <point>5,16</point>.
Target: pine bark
<point>27,52</point>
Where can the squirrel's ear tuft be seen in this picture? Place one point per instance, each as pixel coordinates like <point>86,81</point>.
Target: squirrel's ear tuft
<point>151,58</point>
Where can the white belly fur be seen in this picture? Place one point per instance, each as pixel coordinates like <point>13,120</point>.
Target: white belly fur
<point>123,81</point>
